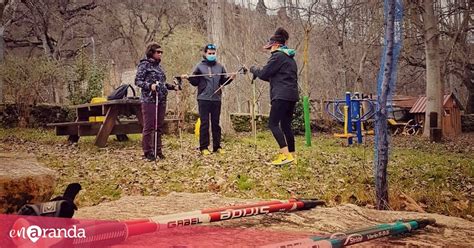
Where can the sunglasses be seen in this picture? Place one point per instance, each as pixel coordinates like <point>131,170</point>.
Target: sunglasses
<point>159,51</point>
<point>211,46</point>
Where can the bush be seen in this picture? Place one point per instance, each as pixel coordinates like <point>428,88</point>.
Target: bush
<point>297,124</point>
<point>86,81</point>
<point>241,122</point>
<point>41,115</point>
<point>28,82</point>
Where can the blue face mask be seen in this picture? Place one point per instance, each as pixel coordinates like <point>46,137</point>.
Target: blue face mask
<point>211,58</point>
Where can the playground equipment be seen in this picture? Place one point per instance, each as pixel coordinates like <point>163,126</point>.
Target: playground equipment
<point>353,110</point>
<point>406,128</point>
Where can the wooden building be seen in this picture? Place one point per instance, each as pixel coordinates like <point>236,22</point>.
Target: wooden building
<point>451,119</point>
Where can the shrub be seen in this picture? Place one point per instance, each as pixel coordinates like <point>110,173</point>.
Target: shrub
<point>297,124</point>
<point>28,82</point>
<point>86,80</point>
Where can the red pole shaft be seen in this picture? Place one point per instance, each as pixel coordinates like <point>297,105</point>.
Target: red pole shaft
<point>194,218</point>
<point>211,210</point>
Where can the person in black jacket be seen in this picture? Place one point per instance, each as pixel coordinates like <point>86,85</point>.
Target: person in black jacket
<point>209,101</point>
<point>281,71</point>
<point>151,79</point>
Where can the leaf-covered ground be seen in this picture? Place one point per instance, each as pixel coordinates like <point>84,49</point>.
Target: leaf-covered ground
<point>438,177</point>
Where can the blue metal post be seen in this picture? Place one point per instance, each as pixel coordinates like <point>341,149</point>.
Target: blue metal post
<point>358,121</point>
<point>349,116</point>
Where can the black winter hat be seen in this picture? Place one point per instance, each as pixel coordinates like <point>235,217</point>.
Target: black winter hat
<point>279,37</point>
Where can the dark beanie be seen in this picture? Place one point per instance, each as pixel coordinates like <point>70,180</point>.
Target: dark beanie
<point>280,36</point>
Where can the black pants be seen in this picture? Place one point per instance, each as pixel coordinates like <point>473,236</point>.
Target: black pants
<point>209,111</point>
<point>279,123</point>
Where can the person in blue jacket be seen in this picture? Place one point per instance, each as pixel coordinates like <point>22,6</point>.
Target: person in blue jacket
<point>209,101</point>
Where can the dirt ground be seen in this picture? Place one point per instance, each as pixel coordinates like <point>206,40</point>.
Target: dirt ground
<point>448,231</point>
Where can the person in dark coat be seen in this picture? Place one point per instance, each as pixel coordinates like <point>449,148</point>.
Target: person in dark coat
<point>209,101</point>
<point>151,79</point>
<point>281,72</point>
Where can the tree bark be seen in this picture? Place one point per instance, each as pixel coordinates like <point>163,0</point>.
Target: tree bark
<point>468,81</point>
<point>3,7</point>
<point>216,32</point>
<point>2,57</point>
<point>434,85</point>
<point>381,129</point>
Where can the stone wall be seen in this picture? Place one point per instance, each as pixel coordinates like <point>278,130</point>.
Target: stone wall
<point>40,115</point>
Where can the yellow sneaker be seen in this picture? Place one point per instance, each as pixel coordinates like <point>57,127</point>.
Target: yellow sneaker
<point>205,152</point>
<point>283,159</point>
<point>220,151</point>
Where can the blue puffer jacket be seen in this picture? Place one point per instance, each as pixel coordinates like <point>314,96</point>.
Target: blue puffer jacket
<point>150,72</point>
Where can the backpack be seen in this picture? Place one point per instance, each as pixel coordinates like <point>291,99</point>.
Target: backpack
<point>121,92</point>
<point>61,206</point>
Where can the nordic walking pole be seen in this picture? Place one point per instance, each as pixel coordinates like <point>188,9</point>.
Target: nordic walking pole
<point>210,74</point>
<point>244,71</point>
<point>198,217</point>
<point>156,120</point>
<point>220,209</point>
<point>338,240</point>
<point>254,103</point>
<point>178,99</point>
<point>115,232</point>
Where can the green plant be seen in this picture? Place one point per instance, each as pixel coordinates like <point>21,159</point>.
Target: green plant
<point>244,183</point>
<point>87,79</point>
<point>30,81</point>
<point>297,124</point>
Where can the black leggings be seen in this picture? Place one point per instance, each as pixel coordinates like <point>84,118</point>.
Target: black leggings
<point>209,111</point>
<point>279,123</point>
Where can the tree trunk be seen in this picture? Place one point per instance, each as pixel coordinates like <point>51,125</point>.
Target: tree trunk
<point>216,32</point>
<point>381,129</point>
<point>3,6</point>
<point>2,57</point>
<point>434,86</point>
<point>468,81</point>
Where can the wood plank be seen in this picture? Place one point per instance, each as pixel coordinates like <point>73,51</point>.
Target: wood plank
<point>110,102</point>
<point>72,123</point>
<point>130,128</point>
<point>107,126</point>
<point>67,130</point>
<point>139,115</point>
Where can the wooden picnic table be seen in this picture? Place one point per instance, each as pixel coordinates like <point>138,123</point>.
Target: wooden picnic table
<point>111,125</point>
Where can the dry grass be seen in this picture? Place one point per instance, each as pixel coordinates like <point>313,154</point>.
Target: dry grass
<point>438,177</point>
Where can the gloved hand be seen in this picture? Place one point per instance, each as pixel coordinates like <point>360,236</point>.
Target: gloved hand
<point>244,69</point>
<point>252,70</point>
<point>178,83</point>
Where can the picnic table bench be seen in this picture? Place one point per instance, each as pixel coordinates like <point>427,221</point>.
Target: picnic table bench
<point>111,125</point>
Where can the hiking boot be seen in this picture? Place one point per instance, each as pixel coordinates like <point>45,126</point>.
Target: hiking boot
<point>283,159</point>
<point>149,156</point>
<point>205,152</point>
<point>220,151</point>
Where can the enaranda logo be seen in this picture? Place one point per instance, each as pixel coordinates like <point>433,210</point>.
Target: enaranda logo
<point>34,233</point>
